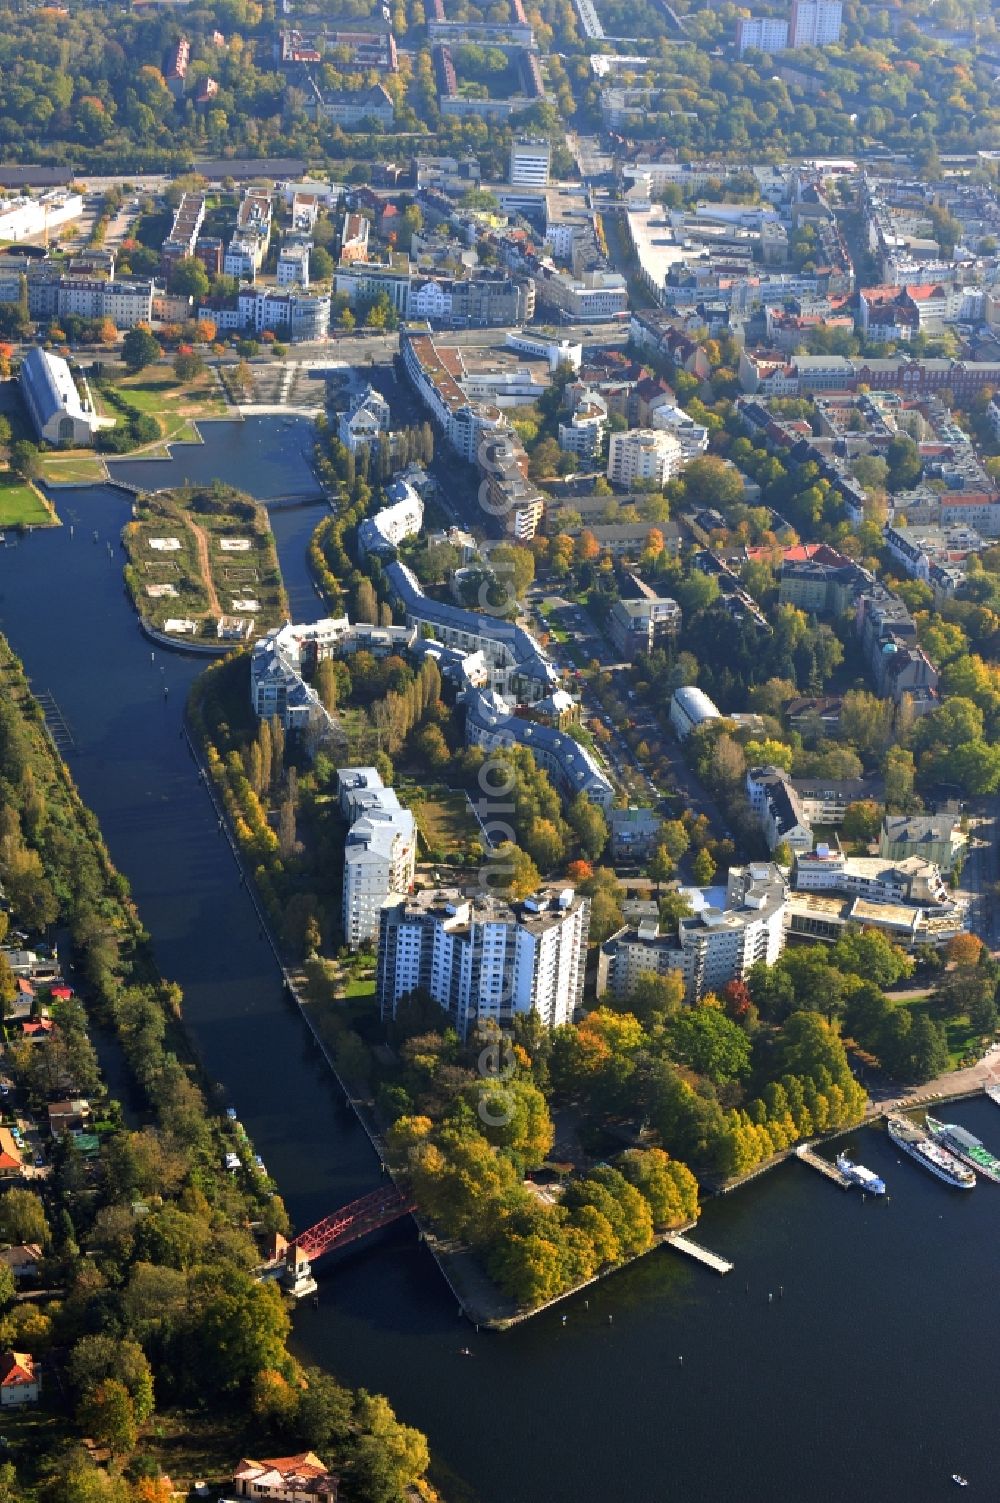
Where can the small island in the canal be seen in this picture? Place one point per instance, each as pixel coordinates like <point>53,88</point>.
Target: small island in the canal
<point>202,570</point>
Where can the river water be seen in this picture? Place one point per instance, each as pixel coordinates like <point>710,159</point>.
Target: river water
<point>867,1375</point>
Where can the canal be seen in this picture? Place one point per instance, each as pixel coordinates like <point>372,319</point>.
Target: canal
<point>865,1375</point>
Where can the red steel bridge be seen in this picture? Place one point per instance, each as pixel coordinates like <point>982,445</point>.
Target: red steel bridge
<point>368,1214</point>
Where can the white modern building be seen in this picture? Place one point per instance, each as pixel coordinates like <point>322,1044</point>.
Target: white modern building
<point>530,163</point>
<point>402,518</point>
<point>912,880</point>
<point>379,853</point>
<point>692,436</point>
<point>690,707</point>
<point>25,217</point>
<point>293,263</point>
<point>643,454</point>
<point>53,401</point>
<point>365,422</point>
<point>484,960</point>
<point>583,434</point>
<point>556,351</point>
<point>289,313</point>
<point>730,930</point>
<point>244,256</point>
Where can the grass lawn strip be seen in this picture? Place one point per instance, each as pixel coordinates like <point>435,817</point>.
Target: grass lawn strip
<point>21,504</point>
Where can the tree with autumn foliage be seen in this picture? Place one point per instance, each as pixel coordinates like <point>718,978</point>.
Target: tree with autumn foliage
<point>964,950</point>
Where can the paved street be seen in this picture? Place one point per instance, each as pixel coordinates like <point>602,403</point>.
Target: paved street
<point>979,875</point>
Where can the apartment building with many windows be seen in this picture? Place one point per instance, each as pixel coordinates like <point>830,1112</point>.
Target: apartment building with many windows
<point>484,960</point>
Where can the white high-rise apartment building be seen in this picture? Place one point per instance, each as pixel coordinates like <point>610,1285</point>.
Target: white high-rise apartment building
<point>765,33</point>
<point>380,852</point>
<point>530,163</point>
<point>643,454</point>
<point>483,959</point>
<point>815,23</point>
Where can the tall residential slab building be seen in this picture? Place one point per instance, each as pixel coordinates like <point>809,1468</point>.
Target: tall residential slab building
<point>815,23</point>
<point>483,959</point>
<point>379,854</point>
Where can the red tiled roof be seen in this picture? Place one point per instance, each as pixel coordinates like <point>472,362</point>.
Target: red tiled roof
<point>16,1367</point>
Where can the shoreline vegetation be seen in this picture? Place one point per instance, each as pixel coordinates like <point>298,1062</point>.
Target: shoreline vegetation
<point>203,555</point>
<point>154,1246</point>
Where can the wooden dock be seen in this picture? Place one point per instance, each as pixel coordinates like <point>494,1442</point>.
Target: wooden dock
<point>699,1253</point>
<point>815,1161</point>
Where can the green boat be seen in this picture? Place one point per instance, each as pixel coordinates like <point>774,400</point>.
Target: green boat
<point>965,1147</point>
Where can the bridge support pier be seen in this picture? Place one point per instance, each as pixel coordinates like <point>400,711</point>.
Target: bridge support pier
<point>298,1279</point>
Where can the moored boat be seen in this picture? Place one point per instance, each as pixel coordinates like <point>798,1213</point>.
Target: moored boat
<point>920,1147</point>
<point>965,1147</point>
<point>859,1175</point>
<point>993,1092</point>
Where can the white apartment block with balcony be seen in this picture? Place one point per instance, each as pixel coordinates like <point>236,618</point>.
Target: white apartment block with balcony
<point>643,454</point>
<point>379,853</point>
<point>583,433</point>
<point>484,960</point>
<point>730,930</point>
<point>402,518</point>
<point>293,263</point>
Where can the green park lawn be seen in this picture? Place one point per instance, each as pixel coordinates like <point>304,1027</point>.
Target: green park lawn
<point>21,504</point>
<point>445,821</point>
<point>360,986</point>
<point>79,467</point>
<point>176,405</point>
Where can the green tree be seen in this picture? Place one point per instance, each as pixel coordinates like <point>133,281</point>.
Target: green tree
<point>107,1415</point>
<point>514,567</point>
<point>236,1329</point>
<point>95,1360</point>
<point>188,366</point>
<point>589,825</point>
<point>708,1041</point>
<point>899,780</point>
<point>511,872</point>
<point>703,868</point>
<point>660,867</point>
<point>928,1048</point>
<point>862,821</point>
<point>189,278</point>
<point>139,349</point>
<point>388,1457</point>
<point>323,1414</point>
<point>320,265</point>
<point>25,459</point>
<point>871,954</point>
<point>513,1115</point>
<point>22,1217</point>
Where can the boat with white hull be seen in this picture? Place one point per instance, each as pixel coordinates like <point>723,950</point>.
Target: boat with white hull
<point>922,1148</point>
<point>965,1147</point>
<point>870,1182</point>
